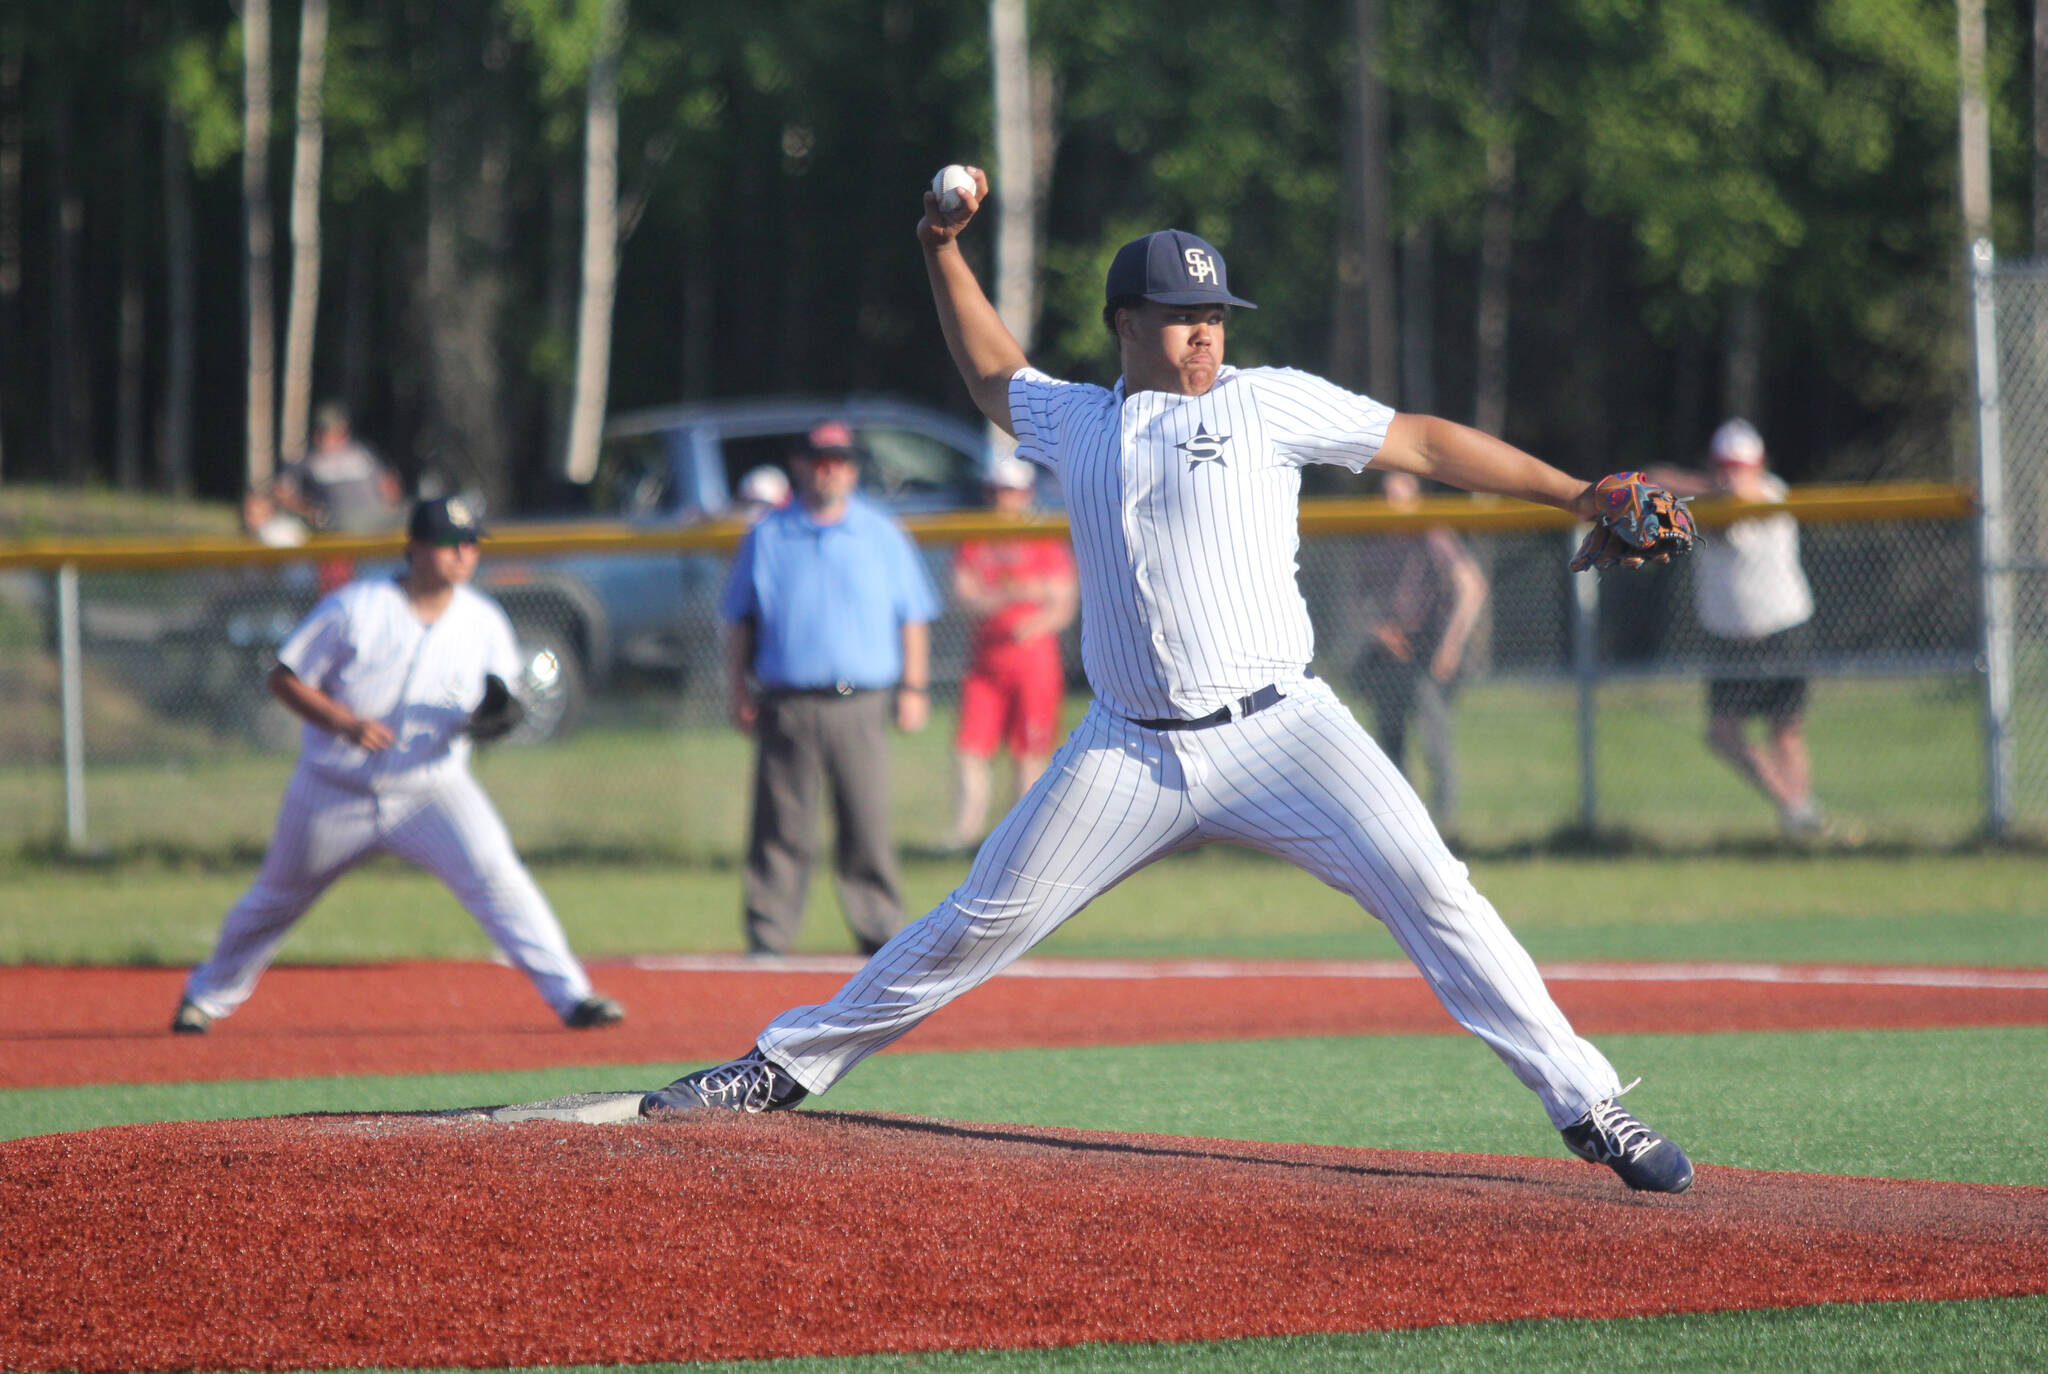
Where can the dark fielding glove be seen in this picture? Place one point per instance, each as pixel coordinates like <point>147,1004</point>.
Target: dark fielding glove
<point>1638,522</point>
<point>498,714</point>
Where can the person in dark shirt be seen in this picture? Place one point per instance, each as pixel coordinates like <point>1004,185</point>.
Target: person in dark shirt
<point>1421,594</point>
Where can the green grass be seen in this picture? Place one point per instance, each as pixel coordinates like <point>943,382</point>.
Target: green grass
<point>1875,1104</point>
<point>45,511</point>
<point>643,785</point>
<point>1913,908</point>
<point>1931,1338</point>
<point>2006,1336</point>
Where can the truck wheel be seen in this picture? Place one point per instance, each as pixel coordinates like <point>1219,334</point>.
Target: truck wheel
<point>553,684</point>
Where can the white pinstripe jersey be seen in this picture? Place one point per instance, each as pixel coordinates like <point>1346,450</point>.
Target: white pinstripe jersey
<point>1185,512</point>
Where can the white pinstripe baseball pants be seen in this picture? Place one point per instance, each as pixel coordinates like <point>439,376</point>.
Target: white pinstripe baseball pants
<point>1301,780</point>
<point>448,828</point>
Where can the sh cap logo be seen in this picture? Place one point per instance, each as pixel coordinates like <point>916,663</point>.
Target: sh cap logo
<point>1204,447</point>
<point>1201,267</point>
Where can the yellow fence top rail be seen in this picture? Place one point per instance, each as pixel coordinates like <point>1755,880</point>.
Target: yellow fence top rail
<point>1818,504</point>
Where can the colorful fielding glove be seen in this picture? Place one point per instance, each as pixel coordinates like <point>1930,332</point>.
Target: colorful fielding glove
<point>1638,522</point>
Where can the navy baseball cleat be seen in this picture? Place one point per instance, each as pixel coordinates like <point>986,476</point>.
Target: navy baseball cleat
<point>751,1083</point>
<point>593,1011</point>
<point>1646,1161</point>
<point>191,1019</point>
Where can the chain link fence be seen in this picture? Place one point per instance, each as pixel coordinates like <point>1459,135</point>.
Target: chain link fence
<point>1580,701</point>
<point>2020,576</point>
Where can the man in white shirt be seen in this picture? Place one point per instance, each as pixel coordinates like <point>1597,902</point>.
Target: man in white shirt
<point>385,673</point>
<point>1182,486</point>
<point>1753,597</point>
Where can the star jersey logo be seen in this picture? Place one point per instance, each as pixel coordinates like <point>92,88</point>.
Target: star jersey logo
<point>1204,447</point>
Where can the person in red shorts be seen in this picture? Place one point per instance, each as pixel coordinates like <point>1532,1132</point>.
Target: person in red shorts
<point>1021,593</point>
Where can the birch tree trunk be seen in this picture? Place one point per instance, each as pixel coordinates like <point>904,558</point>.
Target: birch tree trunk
<point>600,245</point>
<point>1016,194</point>
<point>1017,182</point>
<point>304,309</point>
<point>261,462</point>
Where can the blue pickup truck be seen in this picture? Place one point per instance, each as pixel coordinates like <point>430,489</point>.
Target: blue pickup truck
<point>589,620</point>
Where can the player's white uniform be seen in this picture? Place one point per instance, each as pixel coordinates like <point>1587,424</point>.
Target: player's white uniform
<point>364,647</point>
<point>1184,511</point>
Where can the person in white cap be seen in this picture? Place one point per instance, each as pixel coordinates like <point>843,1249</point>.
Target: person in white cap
<point>1753,598</point>
<point>1021,593</point>
<point>761,490</point>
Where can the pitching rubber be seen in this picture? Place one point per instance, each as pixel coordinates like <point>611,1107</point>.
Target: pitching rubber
<point>595,1109</point>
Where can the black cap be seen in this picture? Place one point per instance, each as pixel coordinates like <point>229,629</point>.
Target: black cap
<point>830,439</point>
<point>1172,267</point>
<point>444,520</point>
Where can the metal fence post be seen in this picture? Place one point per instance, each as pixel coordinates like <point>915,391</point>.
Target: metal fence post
<point>1586,674</point>
<point>1995,553</point>
<point>72,691</point>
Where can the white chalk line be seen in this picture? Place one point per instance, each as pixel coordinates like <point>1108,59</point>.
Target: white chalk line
<point>1801,975</point>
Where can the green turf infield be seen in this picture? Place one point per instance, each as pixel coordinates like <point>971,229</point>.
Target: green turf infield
<point>1964,1105</point>
<point>1996,1337</point>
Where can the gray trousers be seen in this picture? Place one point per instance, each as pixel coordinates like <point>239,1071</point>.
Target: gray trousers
<point>800,740</point>
<point>1397,689</point>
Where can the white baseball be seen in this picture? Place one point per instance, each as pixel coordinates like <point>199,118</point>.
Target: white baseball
<point>949,183</point>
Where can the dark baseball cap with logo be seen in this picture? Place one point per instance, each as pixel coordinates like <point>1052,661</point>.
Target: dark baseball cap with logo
<point>1172,267</point>
<point>830,439</point>
<point>444,520</point>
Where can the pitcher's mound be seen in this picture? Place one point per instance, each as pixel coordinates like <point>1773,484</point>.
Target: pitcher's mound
<point>455,1240</point>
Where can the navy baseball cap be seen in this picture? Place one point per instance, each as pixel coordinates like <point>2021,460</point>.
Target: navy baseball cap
<point>444,520</point>
<point>1172,267</point>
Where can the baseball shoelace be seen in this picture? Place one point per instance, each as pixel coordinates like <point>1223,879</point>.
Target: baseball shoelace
<point>746,1085</point>
<point>1618,1135</point>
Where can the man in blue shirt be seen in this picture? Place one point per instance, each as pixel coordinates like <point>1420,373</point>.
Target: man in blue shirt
<point>828,607</point>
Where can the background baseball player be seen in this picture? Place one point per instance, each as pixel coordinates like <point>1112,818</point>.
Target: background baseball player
<point>1021,593</point>
<point>388,675</point>
<point>1182,485</point>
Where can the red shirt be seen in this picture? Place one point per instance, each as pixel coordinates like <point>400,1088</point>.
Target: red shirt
<point>1007,565</point>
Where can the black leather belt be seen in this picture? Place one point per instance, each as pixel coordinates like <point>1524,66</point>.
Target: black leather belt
<point>837,689</point>
<point>1223,715</point>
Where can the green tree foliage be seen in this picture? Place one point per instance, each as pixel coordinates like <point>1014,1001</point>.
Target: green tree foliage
<point>1673,157</point>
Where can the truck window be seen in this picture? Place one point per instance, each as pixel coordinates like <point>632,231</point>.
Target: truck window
<point>632,477</point>
<point>741,453</point>
<point>904,463</point>
<point>895,464</point>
